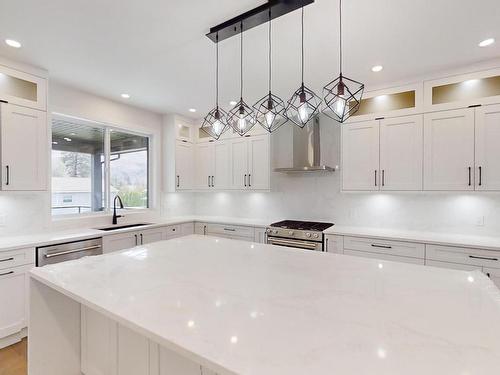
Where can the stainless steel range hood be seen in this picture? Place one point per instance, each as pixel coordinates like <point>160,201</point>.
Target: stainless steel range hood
<point>311,149</point>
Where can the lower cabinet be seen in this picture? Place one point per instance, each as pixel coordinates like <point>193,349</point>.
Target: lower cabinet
<point>14,292</point>
<point>235,232</point>
<point>108,348</point>
<point>452,257</point>
<point>121,241</point>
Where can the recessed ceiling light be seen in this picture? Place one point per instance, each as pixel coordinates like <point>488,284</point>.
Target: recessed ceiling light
<point>193,110</point>
<point>125,96</point>
<point>13,43</point>
<point>377,68</point>
<point>232,102</point>
<point>486,42</point>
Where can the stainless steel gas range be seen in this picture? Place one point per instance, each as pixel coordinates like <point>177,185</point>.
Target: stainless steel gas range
<point>306,235</point>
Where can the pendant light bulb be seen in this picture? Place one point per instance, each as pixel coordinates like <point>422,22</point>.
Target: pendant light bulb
<point>217,127</point>
<point>304,112</point>
<point>340,106</point>
<point>270,119</point>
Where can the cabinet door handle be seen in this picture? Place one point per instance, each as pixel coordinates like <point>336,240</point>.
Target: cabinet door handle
<point>249,180</point>
<point>245,180</point>
<point>381,246</point>
<point>204,230</point>
<point>230,229</point>
<point>7,168</point>
<point>178,180</point>
<point>383,177</point>
<point>326,244</point>
<point>213,181</point>
<point>208,181</point>
<point>480,176</point>
<point>483,258</point>
<point>135,235</point>
<point>6,273</point>
<point>375,177</point>
<point>6,259</point>
<point>470,176</point>
<point>142,239</point>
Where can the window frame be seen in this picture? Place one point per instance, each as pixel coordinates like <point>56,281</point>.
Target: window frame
<point>107,128</point>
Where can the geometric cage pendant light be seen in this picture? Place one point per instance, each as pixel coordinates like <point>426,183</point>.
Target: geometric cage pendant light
<point>304,103</point>
<point>270,110</point>
<point>215,122</point>
<point>241,116</point>
<point>342,96</point>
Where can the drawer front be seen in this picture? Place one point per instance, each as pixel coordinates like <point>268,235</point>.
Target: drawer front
<point>454,266</point>
<point>334,244</point>
<point>474,257</point>
<point>393,258</point>
<point>232,230</point>
<point>398,248</point>
<point>14,258</point>
<point>173,231</point>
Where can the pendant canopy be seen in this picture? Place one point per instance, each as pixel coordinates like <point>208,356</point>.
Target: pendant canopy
<point>270,110</point>
<point>342,96</point>
<point>241,116</point>
<point>304,103</point>
<point>215,122</point>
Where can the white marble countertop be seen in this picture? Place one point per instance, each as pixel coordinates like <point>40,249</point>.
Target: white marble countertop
<point>244,308</point>
<point>438,238</point>
<point>57,236</point>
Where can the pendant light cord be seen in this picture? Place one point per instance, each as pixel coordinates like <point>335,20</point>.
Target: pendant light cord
<point>217,70</point>
<point>302,26</point>
<point>270,49</point>
<point>340,33</point>
<point>241,61</point>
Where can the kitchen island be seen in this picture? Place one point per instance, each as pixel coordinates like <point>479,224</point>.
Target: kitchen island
<point>204,305</point>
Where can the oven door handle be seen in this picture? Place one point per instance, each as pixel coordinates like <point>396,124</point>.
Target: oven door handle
<point>72,251</point>
<point>292,243</point>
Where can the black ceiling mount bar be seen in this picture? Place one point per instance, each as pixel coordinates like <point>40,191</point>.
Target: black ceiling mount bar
<point>255,17</point>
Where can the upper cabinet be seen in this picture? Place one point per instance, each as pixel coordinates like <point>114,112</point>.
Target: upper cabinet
<point>23,89</point>
<point>449,150</point>
<point>24,148</point>
<point>383,154</point>
<point>461,91</point>
<point>487,147</point>
<point>184,165</point>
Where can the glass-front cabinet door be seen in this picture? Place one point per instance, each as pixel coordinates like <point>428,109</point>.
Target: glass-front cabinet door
<point>23,89</point>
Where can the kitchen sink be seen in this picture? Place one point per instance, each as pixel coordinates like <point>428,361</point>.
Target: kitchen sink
<point>116,227</point>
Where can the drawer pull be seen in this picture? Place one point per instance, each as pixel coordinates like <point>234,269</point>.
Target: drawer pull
<point>230,229</point>
<point>484,258</point>
<point>6,259</point>
<point>382,246</point>
<point>6,273</point>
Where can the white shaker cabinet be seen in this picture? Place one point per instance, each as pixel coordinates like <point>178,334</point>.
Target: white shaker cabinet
<point>487,171</point>
<point>401,153</point>
<point>14,284</point>
<point>221,176</point>
<point>204,165</point>
<point>119,241</point>
<point>239,167</point>
<point>152,235</point>
<point>258,163</point>
<point>449,150</point>
<point>360,156</point>
<point>24,148</point>
<point>184,165</point>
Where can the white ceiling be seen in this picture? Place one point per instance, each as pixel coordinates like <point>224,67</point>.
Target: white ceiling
<point>157,52</point>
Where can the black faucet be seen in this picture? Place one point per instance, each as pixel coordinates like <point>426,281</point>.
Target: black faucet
<point>115,216</point>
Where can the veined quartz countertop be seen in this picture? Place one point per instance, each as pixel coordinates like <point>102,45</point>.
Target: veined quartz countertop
<point>260,309</point>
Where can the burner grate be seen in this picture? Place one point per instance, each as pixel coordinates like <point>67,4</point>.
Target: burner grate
<point>302,225</point>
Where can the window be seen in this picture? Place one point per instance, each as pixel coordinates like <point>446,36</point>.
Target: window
<point>81,151</point>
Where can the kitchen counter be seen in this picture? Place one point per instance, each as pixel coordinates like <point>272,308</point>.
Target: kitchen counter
<point>52,237</point>
<point>437,238</point>
<point>242,308</point>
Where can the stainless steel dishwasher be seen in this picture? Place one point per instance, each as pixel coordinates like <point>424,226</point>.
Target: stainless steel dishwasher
<point>67,251</point>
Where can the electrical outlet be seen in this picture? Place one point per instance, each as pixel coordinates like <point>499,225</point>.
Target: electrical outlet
<point>480,221</point>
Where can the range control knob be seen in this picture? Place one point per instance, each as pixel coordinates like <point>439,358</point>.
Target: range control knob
<point>268,230</point>
<point>308,234</point>
<point>290,233</point>
<point>316,235</point>
<point>275,231</point>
